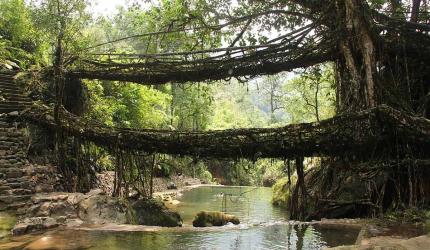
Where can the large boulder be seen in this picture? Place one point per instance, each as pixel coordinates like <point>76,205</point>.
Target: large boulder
<point>102,209</point>
<point>72,209</point>
<point>171,185</point>
<point>152,212</point>
<point>207,219</point>
<point>34,224</point>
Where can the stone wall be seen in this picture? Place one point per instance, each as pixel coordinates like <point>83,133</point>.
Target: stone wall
<point>19,179</point>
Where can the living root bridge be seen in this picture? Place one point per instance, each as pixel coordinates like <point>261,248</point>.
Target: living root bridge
<point>378,130</point>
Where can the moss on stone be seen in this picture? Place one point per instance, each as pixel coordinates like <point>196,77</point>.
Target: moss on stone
<point>281,191</point>
<point>206,219</point>
<point>6,222</point>
<point>152,212</point>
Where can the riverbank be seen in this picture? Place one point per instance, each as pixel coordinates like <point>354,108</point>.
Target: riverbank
<point>264,226</point>
<point>161,185</point>
<point>370,235</point>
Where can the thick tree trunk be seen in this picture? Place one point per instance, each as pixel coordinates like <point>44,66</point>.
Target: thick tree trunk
<point>358,49</point>
<point>415,11</point>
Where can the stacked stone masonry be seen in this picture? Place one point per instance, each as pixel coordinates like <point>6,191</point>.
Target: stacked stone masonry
<point>16,185</point>
<point>19,179</point>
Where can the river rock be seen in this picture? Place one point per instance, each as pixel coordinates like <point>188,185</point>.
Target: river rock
<point>97,191</point>
<point>34,224</point>
<point>13,113</point>
<point>102,209</point>
<point>154,213</point>
<point>171,185</point>
<point>207,219</point>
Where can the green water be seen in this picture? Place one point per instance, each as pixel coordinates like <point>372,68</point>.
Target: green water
<point>252,205</point>
<point>262,227</point>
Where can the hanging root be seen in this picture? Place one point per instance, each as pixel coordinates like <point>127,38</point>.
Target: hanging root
<point>339,189</point>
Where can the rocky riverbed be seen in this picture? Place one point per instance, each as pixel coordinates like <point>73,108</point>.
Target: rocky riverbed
<point>46,211</point>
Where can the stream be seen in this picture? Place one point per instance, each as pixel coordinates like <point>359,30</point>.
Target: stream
<point>263,226</point>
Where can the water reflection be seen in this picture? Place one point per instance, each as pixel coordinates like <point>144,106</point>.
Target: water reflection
<point>263,227</point>
<point>251,205</point>
<point>295,237</point>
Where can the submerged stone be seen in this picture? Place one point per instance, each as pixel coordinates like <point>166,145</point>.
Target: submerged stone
<point>207,219</point>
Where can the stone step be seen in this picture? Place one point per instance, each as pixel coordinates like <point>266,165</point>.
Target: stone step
<point>11,138</point>
<point>19,180</point>
<point>5,187</point>
<point>6,78</point>
<point>12,185</point>
<point>11,87</point>
<point>5,125</point>
<point>17,105</point>
<point>12,173</point>
<point>9,83</point>
<point>14,134</point>
<point>16,207</point>
<point>11,159</point>
<point>16,155</point>
<point>16,191</point>
<point>23,99</point>
<point>9,91</point>
<point>15,102</point>
<point>14,148</point>
<point>6,110</point>
<point>8,199</point>
<point>11,166</point>
<point>8,163</point>
<point>17,96</point>
<point>5,131</point>
<point>8,72</point>
<point>5,81</point>
<point>9,144</point>
<point>11,132</point>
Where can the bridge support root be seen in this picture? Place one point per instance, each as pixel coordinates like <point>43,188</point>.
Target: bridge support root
<point>341,189</point>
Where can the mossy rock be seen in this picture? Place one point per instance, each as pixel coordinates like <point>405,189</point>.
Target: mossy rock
<point>281,191</point>
<point>207,219</point>
<point>7,221</point>
<point>152,212</point>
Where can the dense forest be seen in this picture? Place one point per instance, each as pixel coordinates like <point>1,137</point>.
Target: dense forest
<point>353,75</point>
<point>302,96</point>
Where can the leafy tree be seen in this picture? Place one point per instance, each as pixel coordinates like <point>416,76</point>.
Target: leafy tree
<point>191,106</point>
<point>310,96</point>
<point>128,105</point>
<point>20,41</point>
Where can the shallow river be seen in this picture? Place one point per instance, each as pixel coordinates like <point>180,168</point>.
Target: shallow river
<point>262,227</point>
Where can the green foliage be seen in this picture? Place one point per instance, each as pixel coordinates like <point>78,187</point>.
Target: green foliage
<point>61,18</point>
<point>234,108</point>
<point>311,96</point>
<point>410,215</point>
<point>128,105</point>
<point>270,101</point>
<point>282,191</point>
<point>20,41</point>
<point>6,222</point>
<point>191,106</point>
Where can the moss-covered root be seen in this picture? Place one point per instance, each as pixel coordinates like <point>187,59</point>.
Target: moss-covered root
<point>207,219</point>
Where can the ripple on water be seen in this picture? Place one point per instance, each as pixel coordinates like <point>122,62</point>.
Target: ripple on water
<point>263,227</point>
